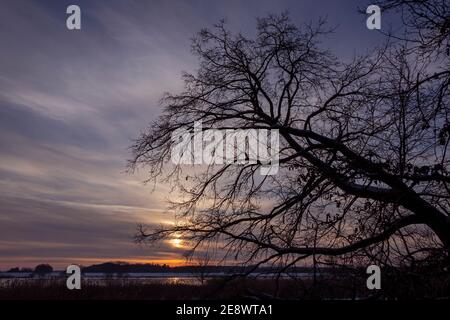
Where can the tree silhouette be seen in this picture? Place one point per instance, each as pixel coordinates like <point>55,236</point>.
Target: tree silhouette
<point>42,269</point>
<point>363,149</point>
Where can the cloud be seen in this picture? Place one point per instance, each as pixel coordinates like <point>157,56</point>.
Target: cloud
<point>72,101</point>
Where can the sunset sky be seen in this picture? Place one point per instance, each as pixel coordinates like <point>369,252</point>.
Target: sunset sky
<point>71,102</point>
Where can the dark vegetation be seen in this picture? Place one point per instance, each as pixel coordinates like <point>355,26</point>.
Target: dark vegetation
<point>43,269</point>
<point>124,267</point>
<point>422,282</point>
<point>395,286</point>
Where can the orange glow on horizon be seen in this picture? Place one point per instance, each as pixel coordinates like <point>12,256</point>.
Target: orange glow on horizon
<point>169,262</point>
<point>61,264</point>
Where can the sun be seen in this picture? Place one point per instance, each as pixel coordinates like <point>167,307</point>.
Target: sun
<point>176,242</point>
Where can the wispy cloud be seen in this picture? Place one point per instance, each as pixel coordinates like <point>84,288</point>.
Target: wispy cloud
<point>70,104</point>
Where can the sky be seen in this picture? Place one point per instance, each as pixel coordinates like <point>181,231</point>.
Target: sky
<point>71,103</point>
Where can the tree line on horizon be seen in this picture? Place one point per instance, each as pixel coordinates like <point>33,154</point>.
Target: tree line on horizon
<point>124,267</point>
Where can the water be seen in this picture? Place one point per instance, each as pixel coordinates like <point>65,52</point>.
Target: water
<point>14,278</point>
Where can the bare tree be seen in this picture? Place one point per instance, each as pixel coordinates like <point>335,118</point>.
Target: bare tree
<point>363,166</point>
<point>427,23</point>
<point>203,262</point>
